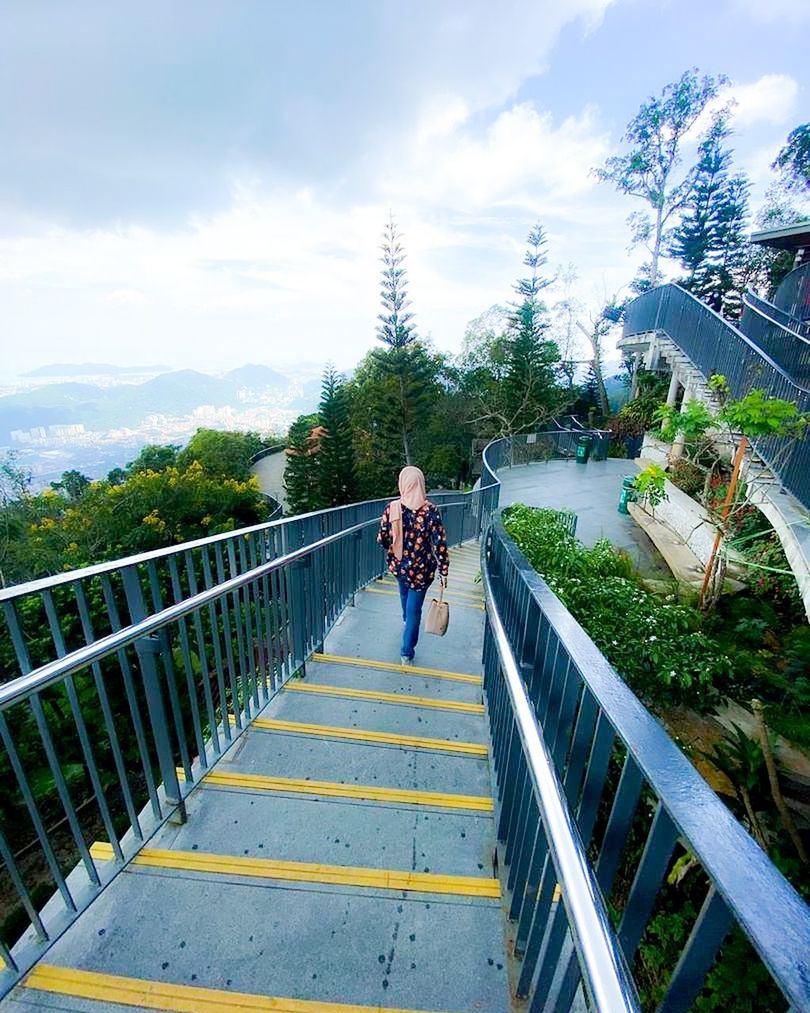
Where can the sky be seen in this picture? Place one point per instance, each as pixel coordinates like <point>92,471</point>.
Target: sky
<point>204,183</point>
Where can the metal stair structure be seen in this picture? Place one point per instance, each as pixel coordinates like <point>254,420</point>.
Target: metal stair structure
<point>668,325</point>
<point>250,806</point>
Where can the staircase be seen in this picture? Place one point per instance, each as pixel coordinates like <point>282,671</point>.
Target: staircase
<point>338,857</point>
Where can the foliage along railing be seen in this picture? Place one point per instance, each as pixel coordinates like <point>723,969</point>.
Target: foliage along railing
<point>625,781</point>
<point>714,346</point>
<point>194,640</point>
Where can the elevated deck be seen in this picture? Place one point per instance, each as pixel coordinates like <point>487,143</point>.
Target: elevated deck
<point>341,852</point>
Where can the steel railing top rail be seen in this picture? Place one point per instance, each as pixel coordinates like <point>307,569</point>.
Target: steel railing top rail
<point>54,671</point>
<point>658,294</point>
<point>112,565</point>
<point>607,979</point>
<point>720,843</point>
<point>791,325</point>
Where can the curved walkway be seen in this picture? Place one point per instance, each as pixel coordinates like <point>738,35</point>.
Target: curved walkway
<point>591,491</point>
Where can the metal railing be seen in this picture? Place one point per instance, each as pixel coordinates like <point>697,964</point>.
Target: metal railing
<point>714,346</point>
<point>780,339</point>
<point>793,294</point>
<point>537,829</point>
<point>625,782</point>
<point>768,309</point>
<point>106,738</point>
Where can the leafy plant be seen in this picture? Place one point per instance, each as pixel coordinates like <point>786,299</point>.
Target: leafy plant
<point>650,484</point>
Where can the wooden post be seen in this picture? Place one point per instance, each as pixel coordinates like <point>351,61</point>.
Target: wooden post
<point>726,509</point>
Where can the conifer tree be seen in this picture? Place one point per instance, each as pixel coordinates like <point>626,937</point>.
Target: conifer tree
<point>301,472</point>
<point>336,467</point>
<point>709,241</point>
<point>401,359</point>
<point>530,394</point>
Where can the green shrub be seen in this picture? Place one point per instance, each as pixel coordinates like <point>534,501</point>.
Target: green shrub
<point>657,646</point>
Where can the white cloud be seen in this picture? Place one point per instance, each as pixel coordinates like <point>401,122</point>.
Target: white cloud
<point>125,295</point>
<point>772,98</point>
<point>521,154</point>
<point>779,11</point>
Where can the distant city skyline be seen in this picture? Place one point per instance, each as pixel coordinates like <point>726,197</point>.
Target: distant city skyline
<point>205,185</point>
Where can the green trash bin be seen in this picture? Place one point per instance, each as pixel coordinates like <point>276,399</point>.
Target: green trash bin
<point>584,444</point>
<point>628,493</point>
<point>600,448</point>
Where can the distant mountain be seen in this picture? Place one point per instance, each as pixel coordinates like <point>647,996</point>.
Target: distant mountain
<point>309,398</point>
<point>254,376</point>
<point>91,369</point>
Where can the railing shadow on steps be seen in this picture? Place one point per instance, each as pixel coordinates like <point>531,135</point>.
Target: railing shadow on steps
<point>93,734</point>
<point>715,346</point>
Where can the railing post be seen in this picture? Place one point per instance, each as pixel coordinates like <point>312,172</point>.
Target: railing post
<point>148,648</point>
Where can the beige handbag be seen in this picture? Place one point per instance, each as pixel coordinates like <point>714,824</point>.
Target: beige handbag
<point>438,616</point>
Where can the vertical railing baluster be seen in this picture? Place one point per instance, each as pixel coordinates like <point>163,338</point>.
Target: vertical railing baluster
<point>205,672</point>
<point>132,701</point>
<point>84,739</point>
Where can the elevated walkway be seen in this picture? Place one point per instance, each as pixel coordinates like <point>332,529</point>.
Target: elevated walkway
<point>340,852</point>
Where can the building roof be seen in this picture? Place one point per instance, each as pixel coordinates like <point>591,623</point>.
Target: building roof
<point>786,237</point>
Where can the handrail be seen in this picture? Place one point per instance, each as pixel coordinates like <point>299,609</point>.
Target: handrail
<point>714,346</point>
<point>774,315</point>
<point>724,326</point>
<point>608,981</point>
<point>55,671</point>
<point>140,558</point>
<point>744,881</point>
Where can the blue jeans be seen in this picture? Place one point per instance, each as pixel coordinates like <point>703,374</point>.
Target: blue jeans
<point>412,602</point>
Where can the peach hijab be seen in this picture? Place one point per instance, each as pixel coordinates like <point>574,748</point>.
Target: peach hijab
<point>412,494</point>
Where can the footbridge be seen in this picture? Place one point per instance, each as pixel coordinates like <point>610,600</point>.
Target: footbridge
<point>220,792</point>
<point>770,350</point>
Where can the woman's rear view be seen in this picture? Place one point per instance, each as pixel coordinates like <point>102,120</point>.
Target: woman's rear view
<point>412,533</point>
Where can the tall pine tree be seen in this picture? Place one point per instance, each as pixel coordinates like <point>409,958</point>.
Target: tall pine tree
<point>530,393</point>
<point>301,472</point>
<point>336,467</point>
<point>403,360</point>
<point>709,241</point>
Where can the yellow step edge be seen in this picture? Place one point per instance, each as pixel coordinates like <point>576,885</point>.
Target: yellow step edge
<point>362,735</point>
<point>159,995</point>
<point>434,590</point>
<point>395,594</point>
<point>306,872</point>
<point>390,666</point>
<point>397,698</point>
<point>332,789</point>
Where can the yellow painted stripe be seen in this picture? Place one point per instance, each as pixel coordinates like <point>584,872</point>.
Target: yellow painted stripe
<point>395,594</point>
<point>306,872</point>
<point>361,735</point>
<point>434,590</point>
<point>159,995</point>
<point>332,789</point>
<point>397,698</point>
<point>389,666</point>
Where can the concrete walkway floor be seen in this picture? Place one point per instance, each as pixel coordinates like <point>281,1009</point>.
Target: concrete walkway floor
<point>341,851</point>
<point>592,492</point>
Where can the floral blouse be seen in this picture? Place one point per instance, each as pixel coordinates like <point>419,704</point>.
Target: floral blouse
<point>424,544</point>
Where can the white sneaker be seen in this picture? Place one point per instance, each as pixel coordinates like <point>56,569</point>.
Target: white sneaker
<point>406,662</point>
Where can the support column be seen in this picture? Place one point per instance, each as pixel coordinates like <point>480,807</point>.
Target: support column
<point>680,437</point>
<point>639,356</point>
<point>674,383</point>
